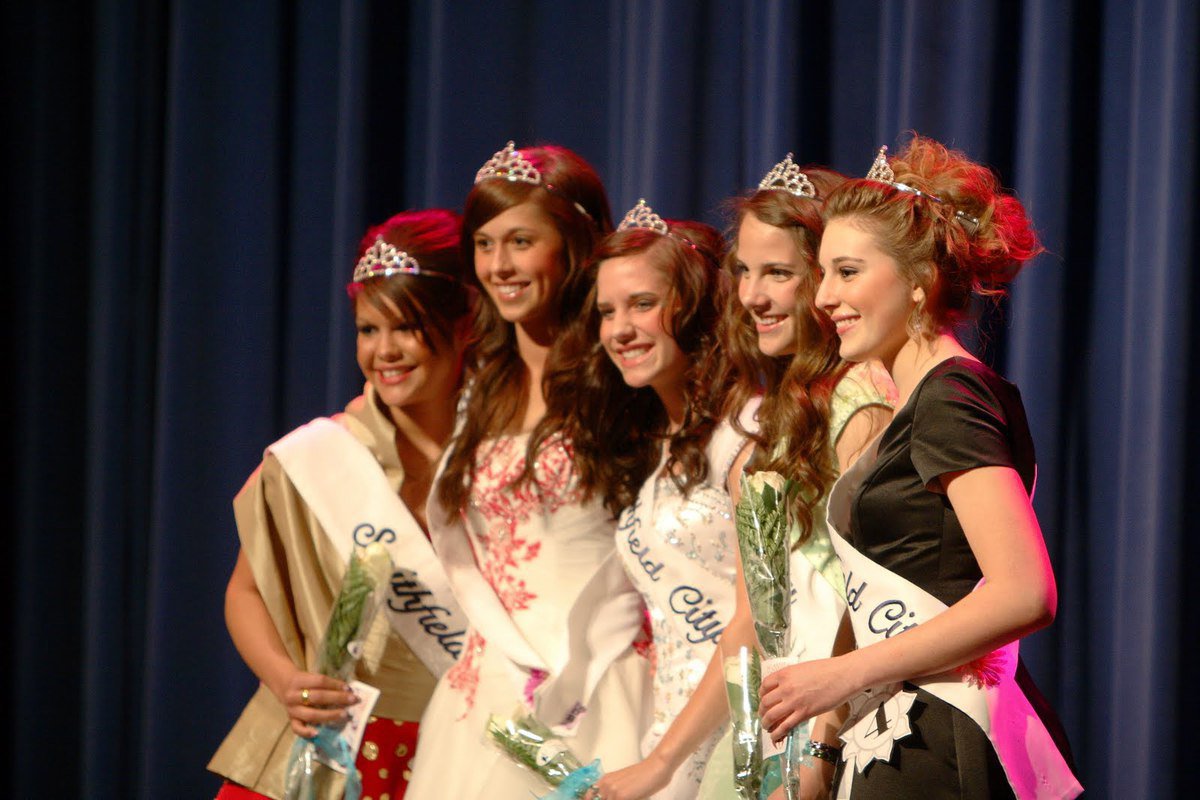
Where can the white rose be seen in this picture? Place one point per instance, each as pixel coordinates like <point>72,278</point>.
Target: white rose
<point>761,480</point>
<point>376,562</point>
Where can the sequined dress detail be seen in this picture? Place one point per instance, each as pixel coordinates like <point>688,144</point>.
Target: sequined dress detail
<point>679,550</point>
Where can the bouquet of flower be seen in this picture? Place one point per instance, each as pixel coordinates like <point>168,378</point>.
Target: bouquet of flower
<point>742,679</point>
<point>531,744</point>
<point>350,621</point>
<point>764,538</point>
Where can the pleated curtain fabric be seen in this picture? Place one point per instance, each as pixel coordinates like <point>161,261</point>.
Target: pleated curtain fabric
<point>188,182</point>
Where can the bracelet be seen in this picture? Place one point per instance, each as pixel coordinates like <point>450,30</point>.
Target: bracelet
<point>825,752</point>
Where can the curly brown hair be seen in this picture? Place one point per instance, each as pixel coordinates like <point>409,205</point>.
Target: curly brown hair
<point>793,434</point>
<point>498,378</point>
<point>616,430</point>
<point>973,241</point>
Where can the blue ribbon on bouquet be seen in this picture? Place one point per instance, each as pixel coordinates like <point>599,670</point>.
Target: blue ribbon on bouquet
<point>328,743</point>
<point>578,782</point>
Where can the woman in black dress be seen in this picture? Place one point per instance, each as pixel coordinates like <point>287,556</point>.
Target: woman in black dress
<point>944,559</point>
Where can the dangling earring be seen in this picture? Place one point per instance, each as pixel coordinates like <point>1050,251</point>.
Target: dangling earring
<point>916,316</point>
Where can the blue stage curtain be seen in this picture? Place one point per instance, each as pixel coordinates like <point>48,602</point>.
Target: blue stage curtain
<point>187,183</point>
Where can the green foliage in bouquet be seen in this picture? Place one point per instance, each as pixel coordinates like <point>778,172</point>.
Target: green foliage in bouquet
<point>763,527</point>
<point>531,744</point>
<point>358,587</point>
<point>354,609</point>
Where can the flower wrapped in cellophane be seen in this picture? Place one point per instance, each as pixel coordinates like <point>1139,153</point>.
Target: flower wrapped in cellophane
<point>532,745</point>
<point>763,530</point>
<point>764,539</point>
<point>742,679</point>
<point>349,635</point>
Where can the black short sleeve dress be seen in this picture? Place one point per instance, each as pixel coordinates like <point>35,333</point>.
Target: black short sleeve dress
<point>961,416</point>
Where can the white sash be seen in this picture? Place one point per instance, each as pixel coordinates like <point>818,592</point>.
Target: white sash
<point>601,625</point>
<point>883,604</point>
<point>702,602</point>
<point>343,484</point>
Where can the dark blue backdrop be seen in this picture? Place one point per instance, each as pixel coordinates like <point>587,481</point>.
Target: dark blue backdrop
<point>186,183</point>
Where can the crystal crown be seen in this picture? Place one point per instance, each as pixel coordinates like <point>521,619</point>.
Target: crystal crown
<point>787,177</point>
<point>643,216</point>
<point>882,171</point>
<point>508,163</point>
<point>383,259</point>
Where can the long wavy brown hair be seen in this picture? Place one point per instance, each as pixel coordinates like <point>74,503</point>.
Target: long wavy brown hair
<point>793,434</point>
<point>616,430</point>
<point>499,380</point>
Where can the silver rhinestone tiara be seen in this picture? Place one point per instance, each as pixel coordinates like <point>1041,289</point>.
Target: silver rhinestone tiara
<point>508,164</point>
<point>787,177</point>
<point>882,171</point>
<point>643,216</point>
<point>383,260</point>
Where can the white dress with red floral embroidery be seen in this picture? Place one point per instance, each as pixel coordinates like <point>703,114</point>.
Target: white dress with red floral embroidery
<point>535,552</point>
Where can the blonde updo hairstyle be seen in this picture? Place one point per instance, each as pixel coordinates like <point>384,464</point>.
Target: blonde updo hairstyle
<point>974,241</point>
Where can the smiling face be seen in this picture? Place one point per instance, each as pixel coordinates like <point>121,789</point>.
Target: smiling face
<point>632,297</point>
<point>397,361</point>
<point>863,293</point>
<point>520,261</point>
<point>769,268</point>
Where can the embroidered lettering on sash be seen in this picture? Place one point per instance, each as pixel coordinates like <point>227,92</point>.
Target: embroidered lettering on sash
<point>697,611</point>
<point>408,597</point>
<point>630,523</point>
<point>890,611</point>
<point>695,597</point>
<point>854,593</point>
<point>888,617</point>
<point>409,593</point>
<point>365,534</point>
<point>341,482</point>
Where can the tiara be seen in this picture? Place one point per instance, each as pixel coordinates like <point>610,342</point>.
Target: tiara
<point>882,171</point>
<point>383,260</point>
<point>509,164</point>
<point>643,216</point>
<point>787,177</point>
